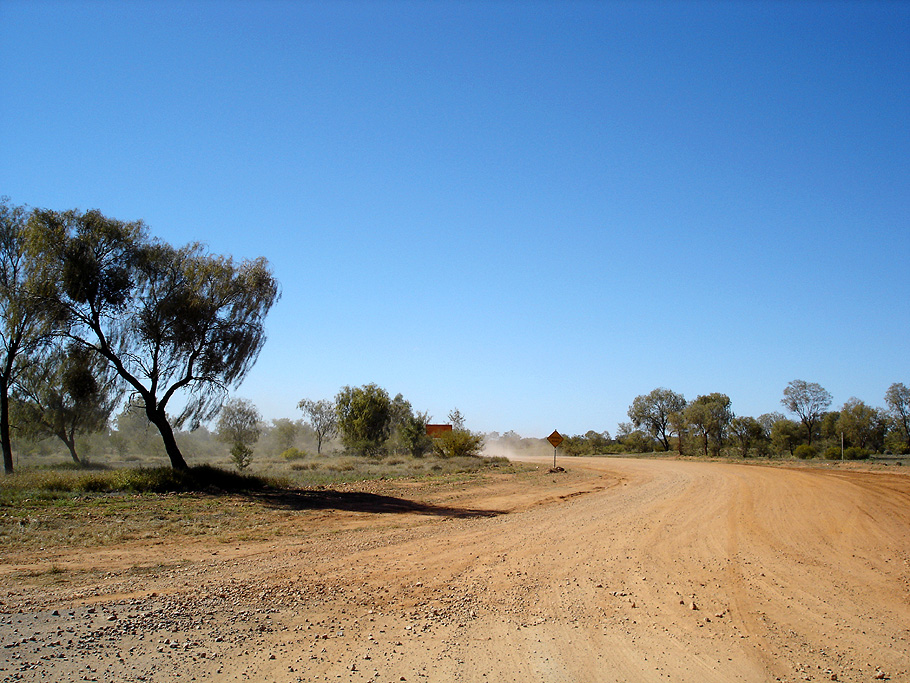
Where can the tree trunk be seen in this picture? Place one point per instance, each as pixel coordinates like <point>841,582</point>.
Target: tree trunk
<point>159,419</point>
<point>71,445</point>
<point>5,439</point>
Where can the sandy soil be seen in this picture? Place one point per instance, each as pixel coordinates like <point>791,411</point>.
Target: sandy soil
<point>619,570</point>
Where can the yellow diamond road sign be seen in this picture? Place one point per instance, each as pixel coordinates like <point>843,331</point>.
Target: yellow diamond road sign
<point>555,439</point>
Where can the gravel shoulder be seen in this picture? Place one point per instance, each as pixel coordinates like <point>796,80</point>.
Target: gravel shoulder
<point>618,570</point>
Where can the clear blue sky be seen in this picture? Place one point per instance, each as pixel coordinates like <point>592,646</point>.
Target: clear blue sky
<point>531,211</point>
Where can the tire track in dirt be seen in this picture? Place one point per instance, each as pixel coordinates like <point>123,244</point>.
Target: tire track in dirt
<point>794,574</point>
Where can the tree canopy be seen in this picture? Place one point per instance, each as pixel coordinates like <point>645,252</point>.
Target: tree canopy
<point>652,411</point>
<point>364,418</point>
<point>321,416</point>
<point>239,425</point>
<point>181,326</point>
<point>898,399</point>
<point>710,415</point>
<point>25,324</point>
<point>808,400</point>
<point>72,391</point>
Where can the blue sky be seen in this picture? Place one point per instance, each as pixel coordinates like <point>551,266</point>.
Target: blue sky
<point>531,211</point>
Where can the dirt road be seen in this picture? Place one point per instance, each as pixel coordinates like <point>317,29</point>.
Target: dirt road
<point>620,570</point>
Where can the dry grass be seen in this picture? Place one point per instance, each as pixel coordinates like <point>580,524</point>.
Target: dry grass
<point>66,508</point>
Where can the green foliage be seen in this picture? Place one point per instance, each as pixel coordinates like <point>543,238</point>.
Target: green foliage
<point>413,435</point>
<point>809,401</point>
<point>239,425</point>
<point>322,416</point>
<point>745,432</point>
<point>856,453</point>
<point>895,443</point>
<point>898,399</point>
<point>293,454</point>
<point>827,427</point>
<point>284,432</point>
<point>26,323</point>
<point>832,453</point>
<point>590,443</point>
<point>634,440</point>
<point>805,451</point>
<point>785,436</point>
<point>678,424</point>
<point>861,425</point>
<point>652,411</point>
<point>202,478</point>
<point>242,455</point>
<point>171,321</point>
<point>708,417</point>
<point>458,443</point>
<point>364,418</point>
<point>71,391</point>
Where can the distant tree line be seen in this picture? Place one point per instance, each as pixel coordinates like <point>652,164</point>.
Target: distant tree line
<point>664,420</point>
<point>99,319</point>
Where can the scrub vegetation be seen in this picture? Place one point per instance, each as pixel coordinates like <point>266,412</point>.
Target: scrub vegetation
<point>119,354</point>
<point>664,421</point>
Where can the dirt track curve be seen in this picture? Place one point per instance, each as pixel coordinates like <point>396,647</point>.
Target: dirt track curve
<point>621,570</point>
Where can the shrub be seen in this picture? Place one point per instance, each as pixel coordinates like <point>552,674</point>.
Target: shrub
<point>242,455</point>
<point>832,453</point>
<point>856,453</point>
<point>458,443</point>
<point>293,454</point>
<point>805,451</point>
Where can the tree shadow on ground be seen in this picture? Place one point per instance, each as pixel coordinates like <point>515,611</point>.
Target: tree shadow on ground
<point>354,501</point>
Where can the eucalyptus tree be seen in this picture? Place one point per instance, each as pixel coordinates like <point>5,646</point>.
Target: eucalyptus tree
<point>809,401</point>
<point>678,424</point>
<point>861,424</point>
<point>180,326</point>
<point>710,416</point>
<point>767,422</point>
<point>413,435</point>
<point>25,324</point>
<point>239,424</point>
<point>364,418</point>
<point>785,436</point>
<point>652,411</point>
<point>71,391</point>
<point>401,416</point>
<point>746,432</point>
<point>284,432</point>
<point>321,416</point>
<point>898,399</point>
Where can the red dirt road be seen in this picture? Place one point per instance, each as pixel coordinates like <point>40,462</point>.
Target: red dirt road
<point>621,570</point>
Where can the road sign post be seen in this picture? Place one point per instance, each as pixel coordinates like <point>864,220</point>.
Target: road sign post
<point>555,439</point>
